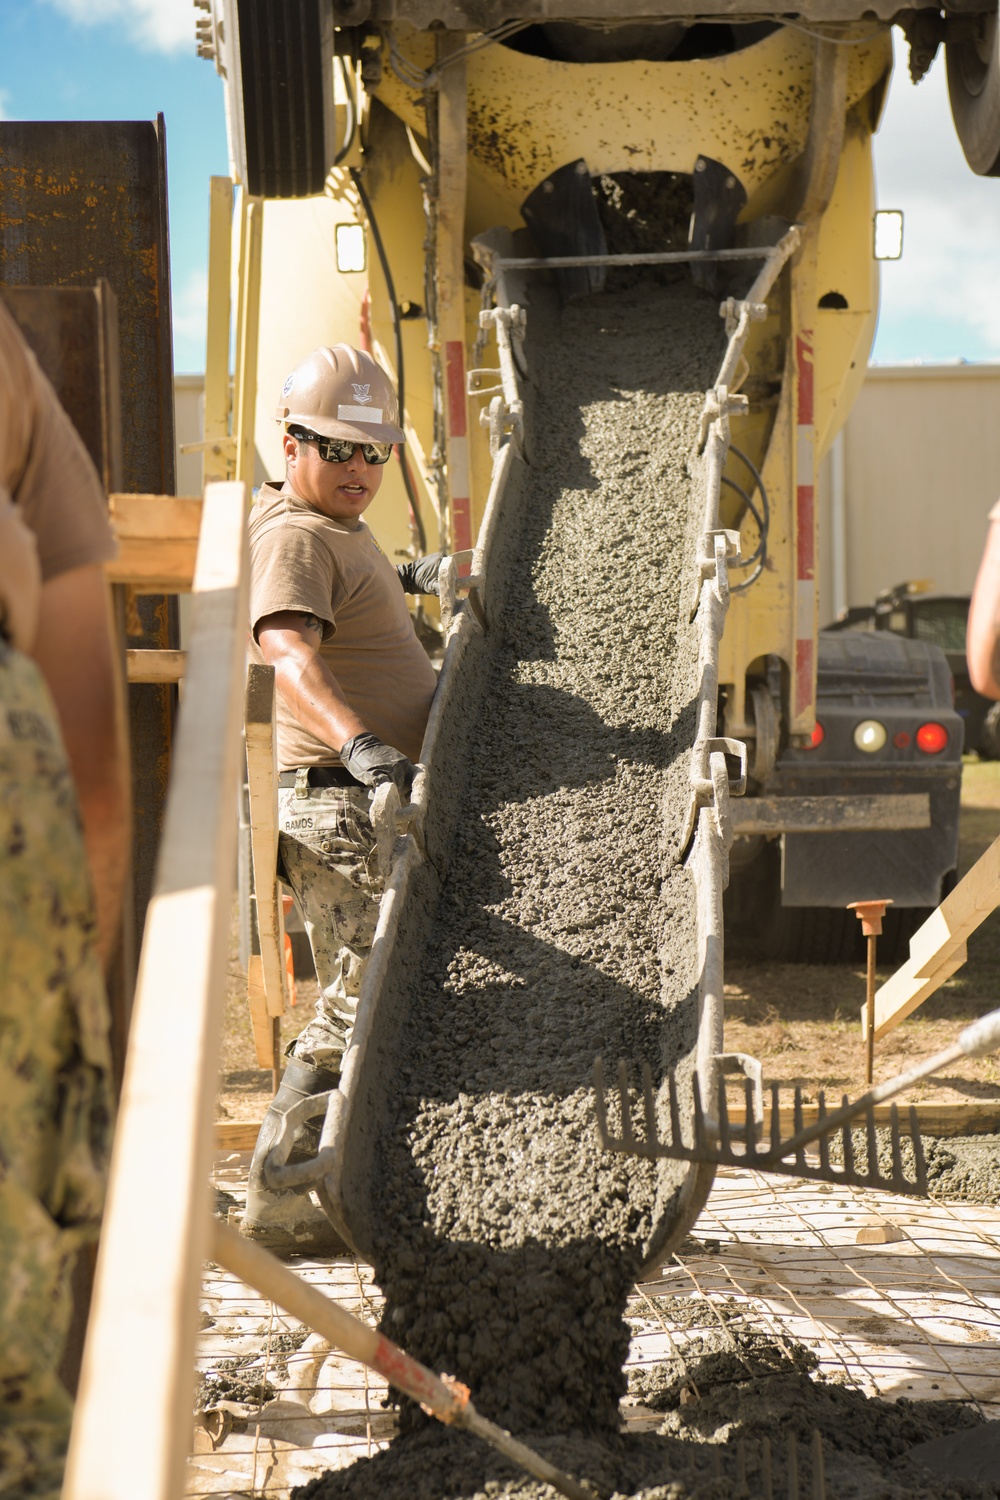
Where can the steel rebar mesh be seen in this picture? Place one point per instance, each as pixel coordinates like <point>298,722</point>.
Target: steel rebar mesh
<point>771,1279</point>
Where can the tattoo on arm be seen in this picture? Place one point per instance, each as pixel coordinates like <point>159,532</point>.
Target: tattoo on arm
<point>313,624</point>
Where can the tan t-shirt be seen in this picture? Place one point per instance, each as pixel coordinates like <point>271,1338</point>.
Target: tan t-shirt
<point>301,560</point>
<point>46,470</point>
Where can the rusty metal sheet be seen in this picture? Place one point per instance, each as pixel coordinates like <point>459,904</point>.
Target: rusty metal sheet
<point>74,334</point>
<point>81,200</point>
<point>85,199</point>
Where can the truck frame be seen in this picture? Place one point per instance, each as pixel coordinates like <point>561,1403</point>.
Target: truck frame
<point>406,137</point>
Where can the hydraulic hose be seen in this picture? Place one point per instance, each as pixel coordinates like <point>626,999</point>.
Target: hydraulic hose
<point>390,287</point>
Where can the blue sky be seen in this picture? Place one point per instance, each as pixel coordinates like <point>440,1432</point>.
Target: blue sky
<point>940,300</point>
<point>129,59</point>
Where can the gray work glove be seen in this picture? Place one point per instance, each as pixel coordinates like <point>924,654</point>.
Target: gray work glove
<point>372,762</point>
<point>421,575</point>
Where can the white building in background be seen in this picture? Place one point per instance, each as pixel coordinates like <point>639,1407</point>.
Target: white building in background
<point>189,421</point>
<point>904,494</point>
<point>906,490</point>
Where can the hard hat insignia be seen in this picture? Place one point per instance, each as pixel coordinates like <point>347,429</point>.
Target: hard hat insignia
<point>288,384</point>
<point>362,393</point>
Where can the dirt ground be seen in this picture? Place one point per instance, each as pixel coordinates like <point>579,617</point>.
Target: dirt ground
<point>803,1022</point>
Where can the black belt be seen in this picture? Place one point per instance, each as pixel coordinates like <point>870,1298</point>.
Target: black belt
<point>321,776</point>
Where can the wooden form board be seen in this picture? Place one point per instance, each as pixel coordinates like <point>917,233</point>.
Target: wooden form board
<point>267,980</point>
<point>157,542</point>
<point>982,1118</point>
<point>131,1436</point>
<point>236,1135</point>
<point>155,666</point>
<point>937,949</point>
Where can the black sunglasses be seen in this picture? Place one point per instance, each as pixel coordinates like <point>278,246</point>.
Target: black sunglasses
<point>339,450</point>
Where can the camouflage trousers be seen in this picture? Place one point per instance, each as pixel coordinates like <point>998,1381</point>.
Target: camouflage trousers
<point>55,1077</point>
<point>326,852</point>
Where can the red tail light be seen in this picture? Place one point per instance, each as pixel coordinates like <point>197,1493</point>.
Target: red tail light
<point>932,738</point>
<point>817,737</point>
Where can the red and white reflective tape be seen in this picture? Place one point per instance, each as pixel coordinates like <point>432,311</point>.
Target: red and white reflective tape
<point>805,530</point>
<point>458,446</point>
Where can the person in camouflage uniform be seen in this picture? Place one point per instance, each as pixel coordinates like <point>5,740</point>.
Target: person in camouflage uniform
<point>56,1105</point>
<point>63,838</point>
<point>354,687</point>
<point>326,853</point>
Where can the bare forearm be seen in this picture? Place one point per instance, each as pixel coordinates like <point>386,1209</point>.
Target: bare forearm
<point>983,642</point>
<point>310,691</point>
<point>76,652</point>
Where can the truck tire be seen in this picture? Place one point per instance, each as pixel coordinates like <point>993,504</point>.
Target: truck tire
<point>974,91</point>
<point>759,927</point>
<point>809,935</point>
<point>826,935</point>
<point>898,926</point>
<point>286,75</point>
<point>901,922</point>
<point>989,735</point>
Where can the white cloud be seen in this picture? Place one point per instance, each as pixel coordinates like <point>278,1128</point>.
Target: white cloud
<point>155,25</point>
<point>950,270</point>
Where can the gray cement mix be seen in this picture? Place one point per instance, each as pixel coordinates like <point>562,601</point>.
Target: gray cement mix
<point>964,1169</point>
<point>508,1242</point>
<point>566,928</point>
<point>960,1169</point>
<point>736,1414</point>
<point>566,925</point>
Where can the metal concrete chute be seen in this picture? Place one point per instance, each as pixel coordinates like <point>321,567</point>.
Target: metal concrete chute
<point>472,125</point>
<point>349,1186</point>
<point>350,1180</point>
<point>819,163</point>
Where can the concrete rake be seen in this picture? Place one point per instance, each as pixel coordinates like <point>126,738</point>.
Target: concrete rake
<point>715,1139</point>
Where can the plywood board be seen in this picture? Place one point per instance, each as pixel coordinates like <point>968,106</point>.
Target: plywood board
<point>155,666</point>
<point>130,1436</point>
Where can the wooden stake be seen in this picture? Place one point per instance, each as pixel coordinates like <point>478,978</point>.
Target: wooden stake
<point>262,784</point>
<point>870,914</point>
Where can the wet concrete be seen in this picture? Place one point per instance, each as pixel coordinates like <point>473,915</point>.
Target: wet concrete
<point>744,1411</point>
<point>644,213</point>
<point>960,1169</point>
<point>964,1169</point>
<point>508,1241</point>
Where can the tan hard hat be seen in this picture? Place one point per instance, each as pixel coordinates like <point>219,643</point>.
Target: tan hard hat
<point>342,393</point>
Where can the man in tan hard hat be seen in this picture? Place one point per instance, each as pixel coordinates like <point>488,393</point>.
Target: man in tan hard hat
<point>354,687</point>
